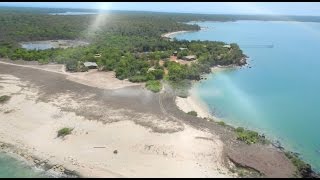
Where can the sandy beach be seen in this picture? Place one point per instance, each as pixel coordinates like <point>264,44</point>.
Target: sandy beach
<point>31,125</point>
<point>193,103</point>
<point>170,34</point>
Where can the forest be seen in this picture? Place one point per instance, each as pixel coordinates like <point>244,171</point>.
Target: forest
<point>130,44</point>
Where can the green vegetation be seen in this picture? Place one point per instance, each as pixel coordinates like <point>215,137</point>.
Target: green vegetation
<point>193,113</point>
<point>303,169</point>
<point>222,123</point>
<point>4,98</point>
<point>130,44</point>
<point>154,85</point>
<point>181,87</point>
<point>250,137</point>
<point>64,131</point>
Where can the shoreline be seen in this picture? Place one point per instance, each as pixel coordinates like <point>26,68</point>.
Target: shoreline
<point>48,169</point>
<point>194,103</point>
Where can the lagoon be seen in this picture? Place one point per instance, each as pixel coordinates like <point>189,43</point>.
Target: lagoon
<point>279,94</point>
<point>42,45</point>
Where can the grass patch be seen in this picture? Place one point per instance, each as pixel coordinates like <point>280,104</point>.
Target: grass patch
<point>4,98</point>
<point>193,113</point>
<point>154,86</point>
<point>250,137</point>
<point>221,123</point>
<point>64,131</point>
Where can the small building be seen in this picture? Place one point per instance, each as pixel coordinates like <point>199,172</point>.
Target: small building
<point>90,65</point>
<point>227,46</point>
<point>175,53</point>
<point>181,49</point>
<point>189,58</point>
<point>97,55</point>
<point>151,69</point>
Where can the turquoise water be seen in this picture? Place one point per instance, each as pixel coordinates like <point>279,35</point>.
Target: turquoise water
<point>37,46</point>
<point>12,168</point>
<point>279,95</point>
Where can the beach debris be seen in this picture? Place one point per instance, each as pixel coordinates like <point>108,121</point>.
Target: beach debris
<point>99,147</point>
<point>115,152</point>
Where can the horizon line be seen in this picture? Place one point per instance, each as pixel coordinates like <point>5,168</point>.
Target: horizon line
<point>194,13</point>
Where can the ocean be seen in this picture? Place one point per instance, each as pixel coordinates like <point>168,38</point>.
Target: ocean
<point>278,92</point>
<point>13,168</point>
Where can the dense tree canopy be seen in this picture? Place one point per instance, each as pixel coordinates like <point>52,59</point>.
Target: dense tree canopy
<point>130,43</point>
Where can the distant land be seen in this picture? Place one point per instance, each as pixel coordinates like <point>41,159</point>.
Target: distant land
<point>181,17</point>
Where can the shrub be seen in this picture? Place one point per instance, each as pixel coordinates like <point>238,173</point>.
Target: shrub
<point>239,129</point>
<point>4,98</point>
<point>43,61</point>
<point>153,85</point>
<point>64,131</point>
<point>249,137</point>
<point>138,78</point>
<point>193,113</point>
<point>221,123</point>
<point>72,65</point>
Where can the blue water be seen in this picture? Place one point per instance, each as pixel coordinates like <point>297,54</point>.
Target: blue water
<point>13,168</point>
<point>37,45</point>
<point>280,94</point>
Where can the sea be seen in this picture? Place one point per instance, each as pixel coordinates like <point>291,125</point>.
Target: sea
<point>278,92</point>
<point>11,167</point>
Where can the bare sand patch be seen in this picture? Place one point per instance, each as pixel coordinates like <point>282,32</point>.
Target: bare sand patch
<point>93,77</point>
<point>100,79</point>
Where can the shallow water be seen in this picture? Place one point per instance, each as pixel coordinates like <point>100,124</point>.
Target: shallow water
<point>279,95</point>
<point>42,45</point>
<point>13,168</point>
<point>37,46</point>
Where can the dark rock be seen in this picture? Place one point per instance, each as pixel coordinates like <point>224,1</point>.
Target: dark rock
<point>115,152</point>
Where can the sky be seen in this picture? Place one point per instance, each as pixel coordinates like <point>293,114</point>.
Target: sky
<point>275,8</point>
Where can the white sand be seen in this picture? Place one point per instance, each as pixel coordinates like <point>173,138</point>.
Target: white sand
<point>33,126</point>
<point>193,103</point>
<point>170,34</point>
